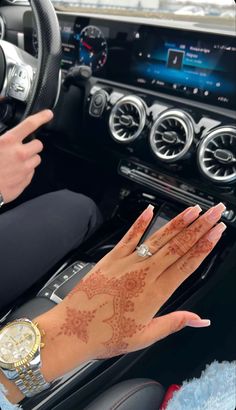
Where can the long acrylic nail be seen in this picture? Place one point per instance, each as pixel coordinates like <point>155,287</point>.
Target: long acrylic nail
<point>148,212</point>
<point>199,323</point>
<point>216,233</point>
<point>215,213</point>
<point>192,213</point>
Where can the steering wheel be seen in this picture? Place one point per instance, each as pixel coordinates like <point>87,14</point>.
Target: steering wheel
<point>32,84</point>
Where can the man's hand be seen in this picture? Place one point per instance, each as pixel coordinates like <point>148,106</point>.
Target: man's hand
<point>17,160</point>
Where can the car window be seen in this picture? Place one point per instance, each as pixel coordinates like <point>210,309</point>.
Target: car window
<point>148,8</point>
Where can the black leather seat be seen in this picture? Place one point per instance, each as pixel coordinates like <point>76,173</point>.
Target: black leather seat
<point>136,394</point>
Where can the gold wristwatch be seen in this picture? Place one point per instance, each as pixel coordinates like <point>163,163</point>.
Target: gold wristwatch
<point>20,359</point>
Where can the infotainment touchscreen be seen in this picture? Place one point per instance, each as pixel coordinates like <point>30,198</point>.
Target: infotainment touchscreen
<point>173,61</point>
<point>194,65</point>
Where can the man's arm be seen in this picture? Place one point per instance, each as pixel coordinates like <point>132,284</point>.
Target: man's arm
<point>17,160</point>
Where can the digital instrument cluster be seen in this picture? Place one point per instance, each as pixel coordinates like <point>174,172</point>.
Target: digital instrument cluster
<point>190,64</point>
<point>80,45</point>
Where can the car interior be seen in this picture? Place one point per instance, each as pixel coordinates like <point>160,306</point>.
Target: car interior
<point>144,113</point>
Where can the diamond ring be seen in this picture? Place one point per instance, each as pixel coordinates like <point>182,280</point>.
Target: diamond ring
<point>143,250</point>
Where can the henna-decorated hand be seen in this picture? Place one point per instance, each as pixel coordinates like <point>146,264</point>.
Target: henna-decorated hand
<point>112,309</point>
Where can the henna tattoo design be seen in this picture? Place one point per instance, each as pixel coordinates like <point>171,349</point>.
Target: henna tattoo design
<point>137,229</point>
<point>123,290</point>
<point>77,323</point>
<point>174,226</point>
<point>204,246</point>
<point>180,245</point>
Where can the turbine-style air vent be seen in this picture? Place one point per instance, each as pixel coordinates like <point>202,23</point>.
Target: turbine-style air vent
<point>217,155</point>
<point>127,119</point>
<point>2,28</point>
<point>172,135</point>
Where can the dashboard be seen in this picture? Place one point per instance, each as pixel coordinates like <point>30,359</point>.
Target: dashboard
<point>172,61</point>
<point>159,107</point>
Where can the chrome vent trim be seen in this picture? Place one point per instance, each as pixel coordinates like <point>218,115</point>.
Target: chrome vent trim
<point>217,155</point>
<point>172,135</point>
<point>2,28</point>
<point>127,119</point>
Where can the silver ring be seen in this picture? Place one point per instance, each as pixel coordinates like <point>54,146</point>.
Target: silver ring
<point>143,250</point>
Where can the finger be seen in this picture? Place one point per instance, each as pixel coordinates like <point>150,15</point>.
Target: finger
<point>131,239</point>
<point>26,181</point>
<point>172,278</point>
<point>163,326</point>
<point>33,163</point>
<point>32,148</point>
<point>169,231</point>
<point>30,125</point>
<point>185,240</point>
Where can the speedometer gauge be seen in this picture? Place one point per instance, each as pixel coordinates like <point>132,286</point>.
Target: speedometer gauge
<point>93,48</point>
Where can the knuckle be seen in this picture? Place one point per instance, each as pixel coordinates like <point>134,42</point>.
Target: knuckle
<point>186,267</point>
<point>178,325</point>
<point>39,145</point>
<point>21,154</point>
<point>177,247</point>
<point>36,161</point>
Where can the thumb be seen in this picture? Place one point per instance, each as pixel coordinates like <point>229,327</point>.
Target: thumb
<point>163,326</point>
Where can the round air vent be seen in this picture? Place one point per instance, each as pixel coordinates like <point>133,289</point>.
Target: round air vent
<point>2,28</point>
<point>172,135</point>
<point>127,119</point>
<point>217,155</point>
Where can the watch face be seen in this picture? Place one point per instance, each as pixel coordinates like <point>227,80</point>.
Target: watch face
<point>17,341</point>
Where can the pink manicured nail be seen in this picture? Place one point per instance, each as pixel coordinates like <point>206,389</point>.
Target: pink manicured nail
<point>215,213</point>
<point>192,214</point>
<point>199,323</point>
<point>148,212</point>
<point>216,233</point>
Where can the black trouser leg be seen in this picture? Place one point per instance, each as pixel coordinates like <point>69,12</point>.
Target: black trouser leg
<point>38,234</point>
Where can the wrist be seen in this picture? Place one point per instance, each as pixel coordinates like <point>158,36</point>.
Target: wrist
<point>60,354</point>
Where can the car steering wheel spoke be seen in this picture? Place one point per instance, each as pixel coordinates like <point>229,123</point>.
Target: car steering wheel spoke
<point>28,84</point>
<point>18,69</point>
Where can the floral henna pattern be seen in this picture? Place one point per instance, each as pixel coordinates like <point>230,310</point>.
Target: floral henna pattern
<point>174,226</point>
<point>204,246</point>
<point>123,290</point>
<point>77,323</point>
<point>137,229</point>
<point>185,239</point>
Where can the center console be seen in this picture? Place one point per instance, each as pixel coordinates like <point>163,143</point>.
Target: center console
<point>159,113</point>
<point>86,379</point>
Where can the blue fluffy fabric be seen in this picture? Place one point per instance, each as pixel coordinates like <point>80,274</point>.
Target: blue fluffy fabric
<point>214,390</point>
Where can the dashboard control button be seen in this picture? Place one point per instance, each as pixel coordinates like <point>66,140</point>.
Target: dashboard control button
<point>229,215</point>
<point>98,100</point>
<point>98,103</point>
<point>46,293</point>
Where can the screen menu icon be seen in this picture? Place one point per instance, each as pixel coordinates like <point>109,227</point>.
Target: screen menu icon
<point>175,59</point>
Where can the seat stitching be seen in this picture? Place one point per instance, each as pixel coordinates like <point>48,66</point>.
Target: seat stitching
<point>129,394</point>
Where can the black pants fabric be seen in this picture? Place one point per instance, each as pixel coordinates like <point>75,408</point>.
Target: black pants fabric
<point>38,234</point>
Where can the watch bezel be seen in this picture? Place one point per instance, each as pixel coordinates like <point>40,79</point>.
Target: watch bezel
<point>24,362</point>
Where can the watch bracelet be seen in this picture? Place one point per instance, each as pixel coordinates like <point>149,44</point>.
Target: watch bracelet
<point>30,381</point>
